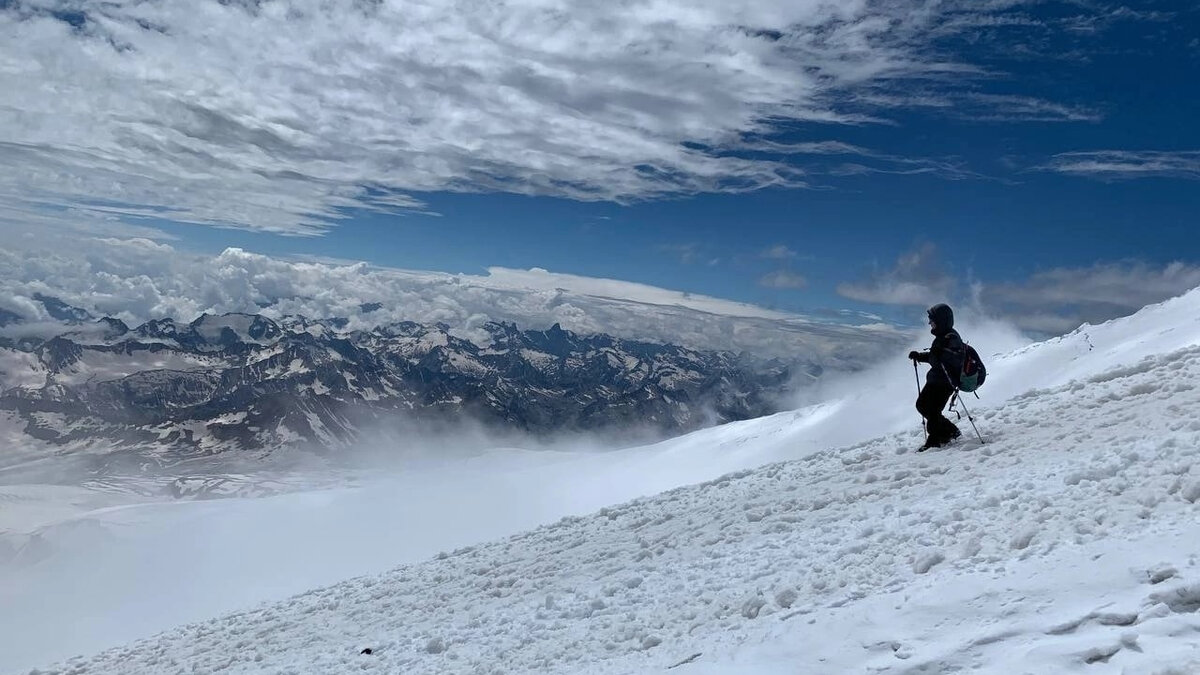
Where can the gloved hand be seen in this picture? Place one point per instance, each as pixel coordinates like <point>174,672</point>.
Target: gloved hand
<point>914,356</point>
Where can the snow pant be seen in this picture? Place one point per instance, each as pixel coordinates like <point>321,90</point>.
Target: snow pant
<point>930,402</point>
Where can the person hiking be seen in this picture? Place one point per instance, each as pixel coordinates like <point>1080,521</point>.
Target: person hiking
<point>945,358</point>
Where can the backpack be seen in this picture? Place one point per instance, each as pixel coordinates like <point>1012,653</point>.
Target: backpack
<point>973,370</point>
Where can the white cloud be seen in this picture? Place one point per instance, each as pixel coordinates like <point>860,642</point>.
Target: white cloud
<point>779,252</point>
<point>1049,302</point>
<point>1008,107</point>
<point>687,254</point>
<point>540,280</point>
<point>866,161</point>
<point>783,279</point>
<point>1060,299</point>
<point>918,278</point>
<point>138,279</point>
<point>1127,164</point>
<point>278,115</point>
<point>980,106</point>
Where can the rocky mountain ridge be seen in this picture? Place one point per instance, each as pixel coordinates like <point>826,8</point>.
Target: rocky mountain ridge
<point>249,382</point>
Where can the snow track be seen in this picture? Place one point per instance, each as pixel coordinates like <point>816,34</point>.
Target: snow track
<point>1068,543</point>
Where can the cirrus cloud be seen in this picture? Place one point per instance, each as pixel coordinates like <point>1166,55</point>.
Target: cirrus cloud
<point>285,115</point>
<point>1127,164</point>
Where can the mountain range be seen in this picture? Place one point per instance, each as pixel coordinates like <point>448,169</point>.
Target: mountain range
<point>169,390</point>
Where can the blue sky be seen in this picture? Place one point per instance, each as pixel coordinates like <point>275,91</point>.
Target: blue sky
<point>875,157</point>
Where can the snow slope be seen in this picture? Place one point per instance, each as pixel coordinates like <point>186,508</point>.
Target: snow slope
<point>1069,543</point>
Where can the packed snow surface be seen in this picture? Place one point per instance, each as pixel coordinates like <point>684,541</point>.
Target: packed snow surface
<point>1069,542</point>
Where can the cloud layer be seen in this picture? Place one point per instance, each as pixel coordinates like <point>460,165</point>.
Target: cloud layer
<point>1050,302</point>
<point>281,115</point>
<point>1058,300</point>
<point>138,279</point>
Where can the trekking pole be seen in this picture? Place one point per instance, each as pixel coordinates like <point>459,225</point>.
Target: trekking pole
<point>959,399</point>
<point>917,375</point>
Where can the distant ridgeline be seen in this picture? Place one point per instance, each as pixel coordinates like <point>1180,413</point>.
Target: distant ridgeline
<point>246,382</point>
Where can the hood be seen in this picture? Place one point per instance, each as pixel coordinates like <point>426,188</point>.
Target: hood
<point>942,317</point>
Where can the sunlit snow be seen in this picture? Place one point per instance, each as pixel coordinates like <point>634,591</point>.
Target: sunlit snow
<point>814,540</point>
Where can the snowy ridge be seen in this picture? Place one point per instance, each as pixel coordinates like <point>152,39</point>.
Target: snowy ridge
<point>166,391</point>
<point>1068,543</point>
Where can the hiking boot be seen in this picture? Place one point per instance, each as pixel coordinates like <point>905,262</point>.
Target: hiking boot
<point>930,443</point>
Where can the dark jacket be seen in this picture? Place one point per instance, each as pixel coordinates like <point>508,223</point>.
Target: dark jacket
<point>945,355</point>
